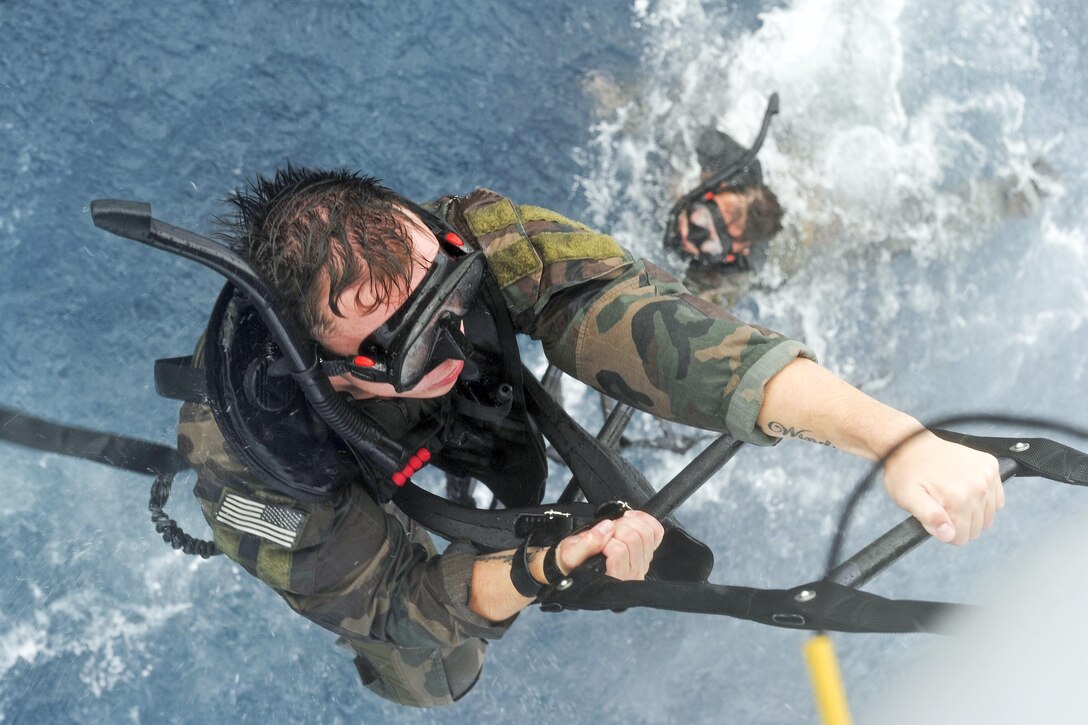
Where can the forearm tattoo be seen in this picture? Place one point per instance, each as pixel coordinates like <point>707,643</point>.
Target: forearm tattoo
<point>504,556</point>
<point>507,557</point>
<point>790,432</point>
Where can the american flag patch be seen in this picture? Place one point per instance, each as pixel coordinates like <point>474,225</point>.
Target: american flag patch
<point>278,524</point>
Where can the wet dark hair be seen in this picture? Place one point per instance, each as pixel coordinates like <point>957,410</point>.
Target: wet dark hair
<point>305,226</point>
<point>764,215</point>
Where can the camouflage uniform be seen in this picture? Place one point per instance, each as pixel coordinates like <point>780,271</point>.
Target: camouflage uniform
<point>373,577</point>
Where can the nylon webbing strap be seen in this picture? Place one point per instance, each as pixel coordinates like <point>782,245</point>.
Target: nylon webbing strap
<point>602,474</point>
<point>1036,456</point>
<point>492,529</point>
<point>129,454</point>
<point>819,606</point>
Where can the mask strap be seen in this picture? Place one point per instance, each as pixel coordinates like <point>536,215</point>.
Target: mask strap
<point>720,226</point>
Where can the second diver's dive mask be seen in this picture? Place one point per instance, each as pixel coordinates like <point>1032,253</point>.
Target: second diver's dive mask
<point>426,330</point>
<point>717,248</point>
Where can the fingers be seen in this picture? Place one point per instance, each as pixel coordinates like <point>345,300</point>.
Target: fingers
<point>980,499</point>
<point>629,553</point>
<point>628,544</point>
<point>573,551</point>
<point>996,503</point>
<point>958,500</point>
<point>994,500</point>
<point>977,518</point>
<point>930,513</point>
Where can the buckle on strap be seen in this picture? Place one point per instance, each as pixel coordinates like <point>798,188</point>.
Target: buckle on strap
<point>548,525</point>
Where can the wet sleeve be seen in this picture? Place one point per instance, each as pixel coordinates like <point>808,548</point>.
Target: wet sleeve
<point>626,327</point>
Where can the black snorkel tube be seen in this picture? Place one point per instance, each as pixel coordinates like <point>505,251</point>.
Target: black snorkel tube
<point>712,184</point>
<point>133,220</point>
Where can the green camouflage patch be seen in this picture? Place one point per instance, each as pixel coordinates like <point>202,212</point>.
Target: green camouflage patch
<point>531,213</point>
<point>563,246</point>
<point>514,262</point>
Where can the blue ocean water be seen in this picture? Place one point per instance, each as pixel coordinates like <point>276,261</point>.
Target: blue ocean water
<point>912,134</point>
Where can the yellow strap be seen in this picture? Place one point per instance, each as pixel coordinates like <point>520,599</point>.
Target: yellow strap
<point>827,686</point>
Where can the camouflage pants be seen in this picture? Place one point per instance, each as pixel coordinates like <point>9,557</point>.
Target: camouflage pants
<point>424,673</point>
<point>417,676</point>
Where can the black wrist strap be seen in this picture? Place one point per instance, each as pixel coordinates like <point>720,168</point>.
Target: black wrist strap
<point>520,576</point>
<point>552,573</point>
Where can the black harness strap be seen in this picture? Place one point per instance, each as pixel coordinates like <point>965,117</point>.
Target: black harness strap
<point>1034,456</point>
<point>819,606</point>
<point>118,451</point>
<point>488,529</point>
<point>603,474</point>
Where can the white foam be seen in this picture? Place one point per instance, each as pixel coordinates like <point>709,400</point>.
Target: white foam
<point>852,164</point>
<point>108,636</point>
<point>24,641</point>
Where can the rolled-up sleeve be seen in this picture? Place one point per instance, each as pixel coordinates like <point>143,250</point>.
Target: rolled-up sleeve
<point>644,340</point>
<point>625,326</point>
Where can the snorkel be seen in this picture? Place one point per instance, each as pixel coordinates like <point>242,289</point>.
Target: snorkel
<point>374,449</point>
<point>706,190</point>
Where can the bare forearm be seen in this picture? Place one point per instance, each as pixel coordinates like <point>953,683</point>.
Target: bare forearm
<point>493,596</point>
<point>953,491</point>
<point>807,402</point>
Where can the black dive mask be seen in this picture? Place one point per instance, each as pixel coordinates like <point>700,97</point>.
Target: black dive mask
<point>426,330</point>
<point>699,234</point>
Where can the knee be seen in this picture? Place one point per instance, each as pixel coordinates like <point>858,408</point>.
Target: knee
<point>420,677</point>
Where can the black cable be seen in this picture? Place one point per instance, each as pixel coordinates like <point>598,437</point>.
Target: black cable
<point>171,532</point>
